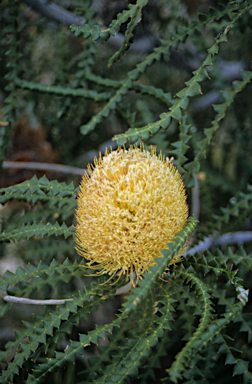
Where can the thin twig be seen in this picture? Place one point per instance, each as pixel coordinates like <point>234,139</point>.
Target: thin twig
<point>59,14</point>
<point>227,239</point>
<point>195,198</point>
<point>25,300</point>
<point>44,167</point>
<point>54,12</point>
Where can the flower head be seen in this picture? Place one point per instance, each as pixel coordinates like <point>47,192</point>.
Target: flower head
<point>130,207</point>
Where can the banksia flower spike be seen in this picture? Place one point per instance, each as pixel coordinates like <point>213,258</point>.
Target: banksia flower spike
<point>130,207</point>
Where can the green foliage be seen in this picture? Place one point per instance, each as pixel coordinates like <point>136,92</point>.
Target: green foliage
<point>58,90</point>
<point>241,206</point>
<point>41,229</point>
<point>96,32</point>
<point>42,189</point>
<point>190,323</point>
<point>11,36</point>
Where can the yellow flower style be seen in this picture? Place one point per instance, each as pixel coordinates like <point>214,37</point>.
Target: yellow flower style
<point>130,207</point>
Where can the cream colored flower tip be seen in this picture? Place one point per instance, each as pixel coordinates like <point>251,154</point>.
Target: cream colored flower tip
<point>131,206</point>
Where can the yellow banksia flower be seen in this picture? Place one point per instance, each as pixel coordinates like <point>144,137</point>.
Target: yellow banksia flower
<point>128,209</point>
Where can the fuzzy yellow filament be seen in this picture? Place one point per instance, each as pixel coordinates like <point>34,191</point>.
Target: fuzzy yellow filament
<point>131,206</point>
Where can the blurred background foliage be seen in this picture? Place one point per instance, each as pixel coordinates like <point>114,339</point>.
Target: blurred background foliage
<point>43,123</point>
